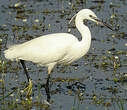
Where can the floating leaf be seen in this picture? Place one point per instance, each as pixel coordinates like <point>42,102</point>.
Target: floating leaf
<point>24,20</point>
<point>36,20</point>
<point>17,4</point>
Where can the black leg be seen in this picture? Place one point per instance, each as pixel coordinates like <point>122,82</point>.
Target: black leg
<point>47,88</point>
<point>24,67</point>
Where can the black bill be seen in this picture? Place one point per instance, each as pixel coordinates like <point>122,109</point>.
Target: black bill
<point>103,23</point>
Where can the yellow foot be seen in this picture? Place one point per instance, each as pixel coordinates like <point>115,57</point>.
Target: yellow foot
<point>28,88</point>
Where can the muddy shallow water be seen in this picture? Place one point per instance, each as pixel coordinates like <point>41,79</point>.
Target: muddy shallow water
<point>96,81</point>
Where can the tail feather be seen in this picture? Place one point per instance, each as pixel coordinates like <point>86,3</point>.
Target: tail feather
<point>11,53</point>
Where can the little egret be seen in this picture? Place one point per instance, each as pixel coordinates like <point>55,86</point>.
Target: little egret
<point>57,48</point>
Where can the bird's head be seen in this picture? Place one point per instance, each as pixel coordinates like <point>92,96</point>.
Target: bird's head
<point>89,15</point>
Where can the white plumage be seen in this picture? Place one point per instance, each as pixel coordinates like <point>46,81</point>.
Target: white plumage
<point>59,48</point>
<point>52,49</point>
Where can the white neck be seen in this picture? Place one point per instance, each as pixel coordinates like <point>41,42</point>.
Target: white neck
<point>85,33</point>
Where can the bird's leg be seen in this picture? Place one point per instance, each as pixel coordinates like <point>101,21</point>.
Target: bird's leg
<point>50,67</point>
<point>29,87</point>
<point>47,82</point>
<point>47,88</point>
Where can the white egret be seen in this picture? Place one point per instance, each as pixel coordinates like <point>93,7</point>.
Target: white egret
<point>57,48</point>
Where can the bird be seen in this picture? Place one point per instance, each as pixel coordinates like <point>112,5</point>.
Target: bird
<point>55,48</point>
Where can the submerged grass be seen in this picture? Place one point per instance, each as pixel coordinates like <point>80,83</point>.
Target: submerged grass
<point>14,98</point>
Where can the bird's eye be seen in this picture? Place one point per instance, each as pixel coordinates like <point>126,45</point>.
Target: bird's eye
<point>93,17</point>
<point>90,16</point>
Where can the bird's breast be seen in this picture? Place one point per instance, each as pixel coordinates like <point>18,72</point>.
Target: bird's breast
<point>75,53</point>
